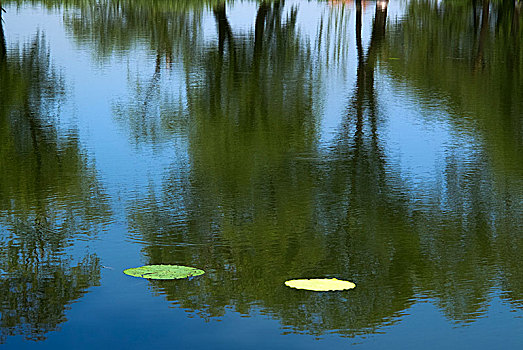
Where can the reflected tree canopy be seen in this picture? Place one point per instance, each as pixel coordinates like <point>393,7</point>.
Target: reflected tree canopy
<point>452,52</point>
<point>48,193</point>
<point>260,191</point>
<point>260,201</point>
<point>264,204</point>
<point>469,55</point>
<point>37,288</point>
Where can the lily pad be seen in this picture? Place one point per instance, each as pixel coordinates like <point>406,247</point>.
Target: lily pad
<point>163,272</point>
<point>320,284</point>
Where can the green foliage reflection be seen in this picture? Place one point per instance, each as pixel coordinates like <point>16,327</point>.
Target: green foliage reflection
<point>262,204</point>
<point>48,193</point>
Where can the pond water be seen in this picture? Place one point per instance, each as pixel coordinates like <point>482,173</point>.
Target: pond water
<point>376,142</point>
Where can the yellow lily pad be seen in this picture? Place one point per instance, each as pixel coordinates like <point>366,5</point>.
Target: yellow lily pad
<point>163,272</point>
<point>320,284</point>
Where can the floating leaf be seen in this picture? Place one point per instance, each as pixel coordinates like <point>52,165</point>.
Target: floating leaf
<point>163,272</point>
<point>320,284</point>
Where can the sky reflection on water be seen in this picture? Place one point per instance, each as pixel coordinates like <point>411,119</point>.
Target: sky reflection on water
<point>261,141</point>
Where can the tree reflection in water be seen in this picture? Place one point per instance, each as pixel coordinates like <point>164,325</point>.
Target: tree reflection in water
<point>259,191</point>
<point>260,200</point>
<point>48,193</point>
<point>254,206</point>
<point>257,196</point>
<point>474,73</point>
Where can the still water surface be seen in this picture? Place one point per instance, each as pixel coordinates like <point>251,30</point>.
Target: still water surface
<point>261,141</point>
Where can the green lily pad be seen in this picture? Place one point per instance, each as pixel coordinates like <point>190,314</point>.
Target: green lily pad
<point>320,284</point>
<point>163,272</point>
